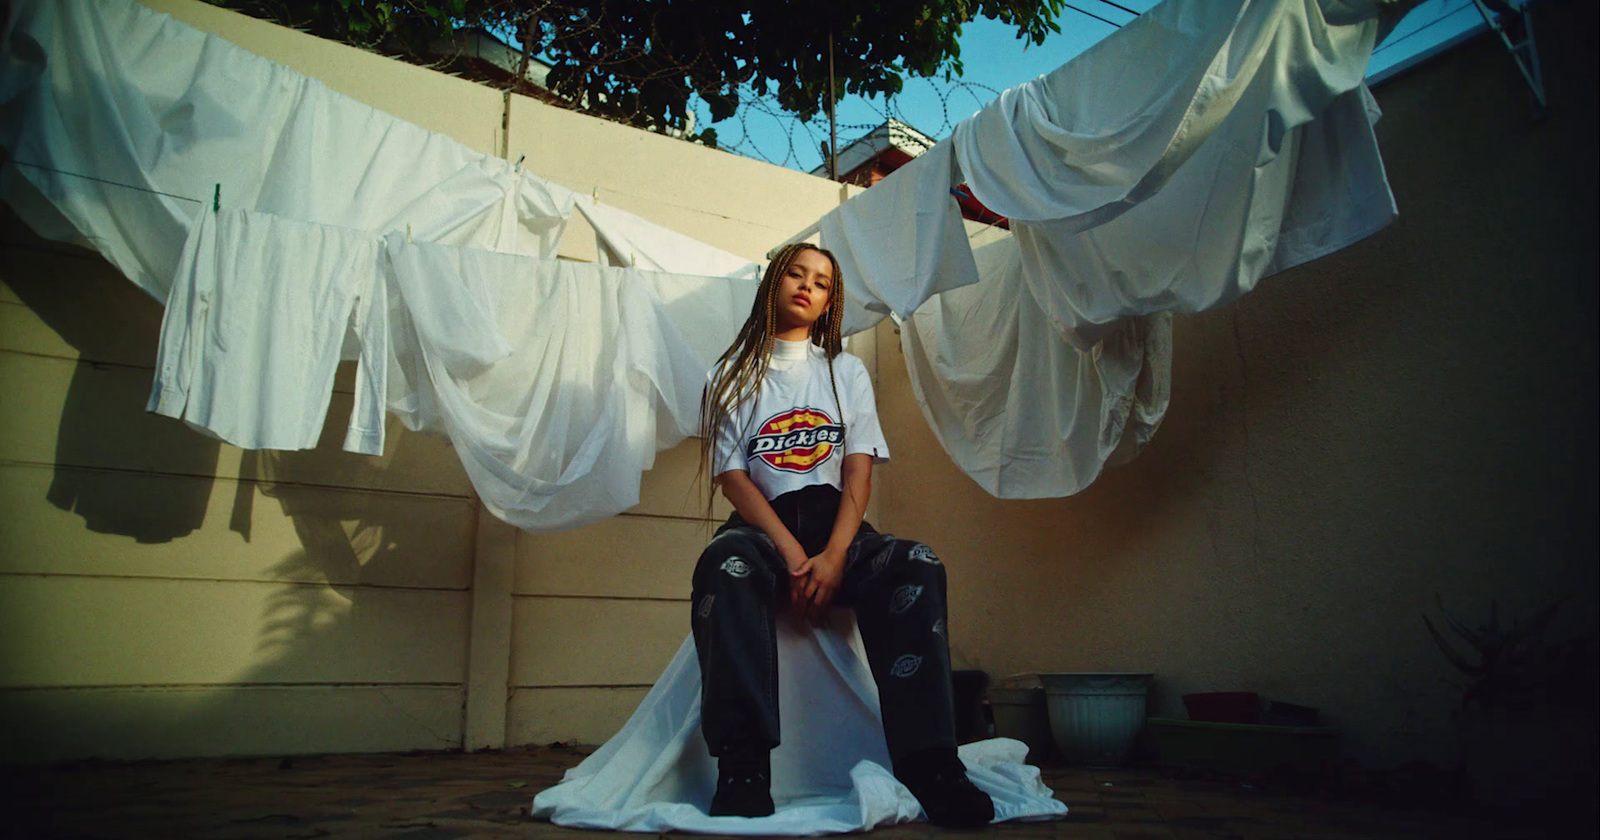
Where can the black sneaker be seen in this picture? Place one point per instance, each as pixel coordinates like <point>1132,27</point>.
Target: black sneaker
<point>744,786</point>
<point>938,779</point>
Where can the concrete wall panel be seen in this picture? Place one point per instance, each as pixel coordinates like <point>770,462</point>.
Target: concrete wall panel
<point>183,722</point>
<point>594,641</point>
<point>93,415</point>
<point>570,715</point>
<point>221,529</point>
<point>69,631</point>
<point>625,556</point>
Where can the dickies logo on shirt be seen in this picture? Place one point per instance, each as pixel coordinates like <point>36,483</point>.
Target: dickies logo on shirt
<point>796,440</point>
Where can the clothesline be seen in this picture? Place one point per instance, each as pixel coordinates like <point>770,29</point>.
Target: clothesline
<point>116,184</point>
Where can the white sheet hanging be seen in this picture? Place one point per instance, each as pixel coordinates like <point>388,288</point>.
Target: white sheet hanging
<point>900,242</point>
<point>830,774</point>
<point>1105,140</point>
<point>1166,169</point>
<point>628,241</point>
<point>127,96</point>
<point>604,367</point>
<point>254,325</point>
<point>1018,409</point>
<point>1155,171</point>
<point>1108,129</point>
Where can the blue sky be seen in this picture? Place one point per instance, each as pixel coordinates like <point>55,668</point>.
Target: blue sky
<point>995,60</point>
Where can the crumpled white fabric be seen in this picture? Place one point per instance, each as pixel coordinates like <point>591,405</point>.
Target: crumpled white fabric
<point>123,114</point>
<point>127,121</point>
<point>1022,412</point>
<point>254,326</point>
<point>1108,129</point>
<point>1167,169</point>
<point>1156,171</point>
<point>1193,197</point>
<point>830,774</point>
<point>555,381</point>
<point>625,240</point>
<point>900,242</point>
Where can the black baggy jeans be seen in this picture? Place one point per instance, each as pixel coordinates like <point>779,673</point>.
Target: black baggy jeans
<point>895,586</point>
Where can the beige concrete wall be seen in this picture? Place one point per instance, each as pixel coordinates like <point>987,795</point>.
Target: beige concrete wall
<point>163,595</point>
<point>1413,416</point>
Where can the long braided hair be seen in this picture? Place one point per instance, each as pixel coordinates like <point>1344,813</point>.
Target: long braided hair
<point>738,373</point>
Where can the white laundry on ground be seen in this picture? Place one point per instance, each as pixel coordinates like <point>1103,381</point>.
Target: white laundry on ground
<point>830,774</point>
<point>254,325</point>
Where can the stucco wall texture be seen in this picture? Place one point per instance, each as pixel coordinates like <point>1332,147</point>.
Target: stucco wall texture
<point>1409,418</point>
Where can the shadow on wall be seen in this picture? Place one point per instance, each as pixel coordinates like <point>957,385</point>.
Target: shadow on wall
<point>362,646</point>
<point>325,610</point>
<point>112,325</point>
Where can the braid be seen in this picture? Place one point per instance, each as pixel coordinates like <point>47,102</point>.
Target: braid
<point>826,333</point>
<point>740,369</point>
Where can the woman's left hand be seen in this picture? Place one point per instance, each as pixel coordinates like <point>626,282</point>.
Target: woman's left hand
<point>818,586</point>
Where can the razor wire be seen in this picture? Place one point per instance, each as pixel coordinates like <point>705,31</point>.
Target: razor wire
<point>763,130</point>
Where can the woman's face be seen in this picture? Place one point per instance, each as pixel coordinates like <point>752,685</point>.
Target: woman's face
<point>804,290</point>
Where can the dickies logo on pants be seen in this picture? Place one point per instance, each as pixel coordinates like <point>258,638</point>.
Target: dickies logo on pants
<point>796,440</point>
<point>903,598</point>
<point>906,665</point>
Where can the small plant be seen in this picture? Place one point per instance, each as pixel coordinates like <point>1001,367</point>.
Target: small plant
<point>1512,667</point>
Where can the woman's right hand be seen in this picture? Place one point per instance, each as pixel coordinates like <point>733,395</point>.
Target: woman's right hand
<point>800,566</point>
<point>795,558</point>
<point>754,508</point>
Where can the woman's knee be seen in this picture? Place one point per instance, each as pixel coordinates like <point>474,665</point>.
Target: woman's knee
<point>733,556</point>
<point>902,577</point>
<point>917,561</point>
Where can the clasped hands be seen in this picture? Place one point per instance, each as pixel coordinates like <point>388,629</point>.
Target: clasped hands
<point>813,581</point>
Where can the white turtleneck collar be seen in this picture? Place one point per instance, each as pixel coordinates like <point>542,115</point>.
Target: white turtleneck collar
<point>787,354</point>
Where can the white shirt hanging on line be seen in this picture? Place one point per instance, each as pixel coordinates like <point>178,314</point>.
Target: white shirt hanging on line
<point>254,326</point>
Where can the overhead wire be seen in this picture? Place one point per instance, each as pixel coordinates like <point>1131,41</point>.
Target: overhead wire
<point>1086,13</point>
<point>1119,6</point>
<point>1441,18</point>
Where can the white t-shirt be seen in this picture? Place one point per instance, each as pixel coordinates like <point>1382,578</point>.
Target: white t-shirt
<point>787,437</point>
